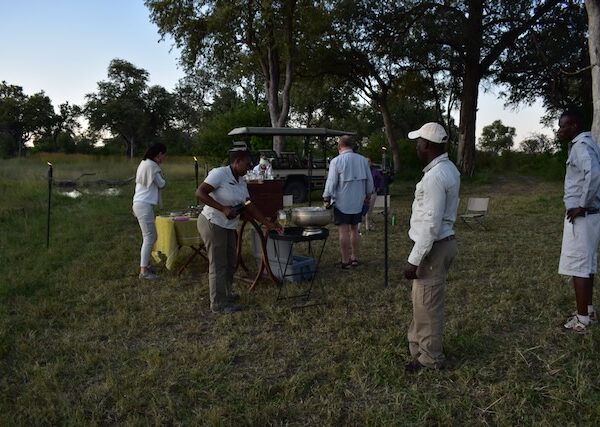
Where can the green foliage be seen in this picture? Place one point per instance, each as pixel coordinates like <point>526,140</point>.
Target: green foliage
<point>23,117</point>
<point>7,145</point>
<point>128,108</point>
<point>496,137</point>
<point>539,143</point>
<point>545,165</point>
<point>212,141</point>
<point>544,65</point>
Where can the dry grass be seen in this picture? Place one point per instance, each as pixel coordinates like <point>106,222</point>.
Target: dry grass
<point>83,341</point>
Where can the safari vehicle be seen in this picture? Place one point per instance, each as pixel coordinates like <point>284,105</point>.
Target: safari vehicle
<point>300,174</point>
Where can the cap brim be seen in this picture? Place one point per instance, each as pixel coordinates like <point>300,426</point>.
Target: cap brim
<point>414,134</point>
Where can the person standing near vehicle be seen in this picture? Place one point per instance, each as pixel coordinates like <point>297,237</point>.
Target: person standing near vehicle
<point>378,184</point>
<point>431,230</point>
<point>225,195</point>
<point>149,180</point>
<point>348,187</point>
<point>581,231</point>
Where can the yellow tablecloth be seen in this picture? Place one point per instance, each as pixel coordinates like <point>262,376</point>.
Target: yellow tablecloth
<point>172,235</point>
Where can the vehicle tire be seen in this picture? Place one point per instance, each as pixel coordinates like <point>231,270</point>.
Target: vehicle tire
<point>297,188</point>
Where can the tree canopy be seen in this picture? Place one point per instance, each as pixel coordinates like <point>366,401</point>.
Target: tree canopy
<point>497,137</point>
<point>125,106</point>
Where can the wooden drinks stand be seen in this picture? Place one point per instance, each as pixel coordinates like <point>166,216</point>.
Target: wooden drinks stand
<point>267,196</point>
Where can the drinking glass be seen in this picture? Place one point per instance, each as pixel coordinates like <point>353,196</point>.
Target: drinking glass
<point>282,218</point>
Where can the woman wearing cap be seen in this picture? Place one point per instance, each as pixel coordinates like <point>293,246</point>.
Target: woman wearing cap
<point>149,180</point>
<point>225,195</point>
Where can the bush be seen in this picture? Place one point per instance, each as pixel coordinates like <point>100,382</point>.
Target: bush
<point>544,165</point>
<point>213,142</point>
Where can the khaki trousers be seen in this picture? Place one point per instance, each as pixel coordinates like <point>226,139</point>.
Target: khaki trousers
<point>428,296</point>
<point>221,247</point>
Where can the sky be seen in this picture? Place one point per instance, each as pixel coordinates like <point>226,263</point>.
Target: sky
<point>64,47</point>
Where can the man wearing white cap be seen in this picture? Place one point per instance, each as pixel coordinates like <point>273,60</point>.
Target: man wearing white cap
<point>263,169</point>
<point>431,222</point>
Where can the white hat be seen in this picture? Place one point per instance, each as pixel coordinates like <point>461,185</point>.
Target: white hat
<point>263,161</point>
<point>431,131</point>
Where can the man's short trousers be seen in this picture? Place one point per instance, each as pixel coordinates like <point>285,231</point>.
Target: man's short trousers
<point>579,245</point>
<point>341,218</point>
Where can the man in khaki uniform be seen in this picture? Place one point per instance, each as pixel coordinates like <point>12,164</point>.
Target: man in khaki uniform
<point>431,230</point>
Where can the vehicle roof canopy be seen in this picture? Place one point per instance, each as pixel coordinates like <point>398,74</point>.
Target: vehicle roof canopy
<point>285,131</point>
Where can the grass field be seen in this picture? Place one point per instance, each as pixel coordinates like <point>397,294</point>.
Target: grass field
<point>84,342</point>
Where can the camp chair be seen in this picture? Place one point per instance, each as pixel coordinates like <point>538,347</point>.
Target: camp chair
<point>476,211</point>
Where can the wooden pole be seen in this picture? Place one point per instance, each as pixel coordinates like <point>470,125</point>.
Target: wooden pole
<point>49,204</point>
<point>386,181</point>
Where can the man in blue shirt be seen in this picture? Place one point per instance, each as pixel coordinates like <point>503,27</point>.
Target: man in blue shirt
<point>349,185</point>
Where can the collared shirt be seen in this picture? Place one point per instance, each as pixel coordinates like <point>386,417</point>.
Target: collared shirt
<point>434,207</point>
<point>582,178</point>
<point>348,181</point>
<point>228,192</point>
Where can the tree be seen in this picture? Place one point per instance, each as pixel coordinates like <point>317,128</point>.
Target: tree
<point>229,36</point>
<point>538,143</point>
<point>126,107</point>
<point>66,122</point>
<point>191,99</point>
<point>212,140</point>
<point>545,66</point>
<point>496,137</point>
<point>22,118</point>
<point>479,33</point>
<point>377,48</point>
<point>118,106</point>
<point>593,11</point>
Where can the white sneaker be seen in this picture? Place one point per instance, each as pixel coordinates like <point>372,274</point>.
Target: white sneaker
<point>147,275</point>
<point>575,325</point>
<point>593,318</point>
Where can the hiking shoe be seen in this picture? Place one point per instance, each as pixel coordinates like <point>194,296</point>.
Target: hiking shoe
<point>147,275</point>
<point>575,325</point>
<point>355,262</point>
<point>224,309</point>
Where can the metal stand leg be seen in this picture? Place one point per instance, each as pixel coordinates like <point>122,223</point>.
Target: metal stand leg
<point>304,296</point>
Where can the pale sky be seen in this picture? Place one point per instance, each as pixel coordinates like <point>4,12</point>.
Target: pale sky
<point>63,47</point>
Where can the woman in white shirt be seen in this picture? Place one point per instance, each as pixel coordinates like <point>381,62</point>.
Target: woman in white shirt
<point>225,195</point>
<point>148,183</point>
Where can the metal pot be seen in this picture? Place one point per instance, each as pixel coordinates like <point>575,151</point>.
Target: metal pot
<point>311,216</point>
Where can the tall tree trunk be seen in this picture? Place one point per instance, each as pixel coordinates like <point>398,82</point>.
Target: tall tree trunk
<point>593,12</point>
<point>468,105</point>
<point>278,113</point>
<point>388,127</point>
<point>467,126</point>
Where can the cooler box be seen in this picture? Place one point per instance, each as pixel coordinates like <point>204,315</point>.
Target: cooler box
<point>275,248</point>
<point>300,269</point>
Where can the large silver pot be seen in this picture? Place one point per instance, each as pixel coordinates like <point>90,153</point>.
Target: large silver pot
<point>311,216</point>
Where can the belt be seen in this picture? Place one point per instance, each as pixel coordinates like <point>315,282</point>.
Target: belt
<point>591,211</point>
<point>446,239</point>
